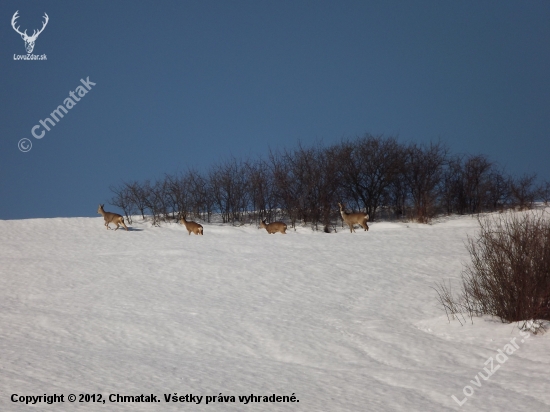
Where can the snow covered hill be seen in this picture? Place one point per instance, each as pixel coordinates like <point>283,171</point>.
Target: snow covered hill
<point>344,322</point>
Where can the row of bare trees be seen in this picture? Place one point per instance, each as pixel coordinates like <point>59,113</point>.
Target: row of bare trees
<point>381,176</point>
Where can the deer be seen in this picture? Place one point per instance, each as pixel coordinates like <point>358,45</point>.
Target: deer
<point>111,218</point>
<point>273,227</point>
<point>29,40</point>
<point>351,219</point>
<point>194,227</point>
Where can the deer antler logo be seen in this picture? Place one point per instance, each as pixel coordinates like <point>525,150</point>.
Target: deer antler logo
<point>29,40</point>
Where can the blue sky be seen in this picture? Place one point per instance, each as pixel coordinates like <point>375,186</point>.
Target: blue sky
<point>188,83</point>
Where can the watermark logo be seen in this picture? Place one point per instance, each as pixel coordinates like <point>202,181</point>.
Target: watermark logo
<point>24,145</point>
<point>39,130</point>
<point>29,40</point>
<point>501,357</point>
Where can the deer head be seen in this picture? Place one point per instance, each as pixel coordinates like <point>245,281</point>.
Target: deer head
<point>29,40</point>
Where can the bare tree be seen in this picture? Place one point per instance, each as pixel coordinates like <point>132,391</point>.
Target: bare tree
<point>497,190</point>
<point>544,192</point>
<point>452,187</point>
<point>202,200</point>
<point>122,199</point>
<point>138,193</point>
<point>476,173</point>
<point>423,175</point>
<point>329,187</point>
<point>464,184</point>
<point>156,201</point>
<point>287,186</point>
<point>523,191</point>
<point>261,188</point>
<point>368,167</point>
<point>229,189</point>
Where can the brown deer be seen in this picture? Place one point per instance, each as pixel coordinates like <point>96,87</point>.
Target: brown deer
<point>192,227</point>
<point>111,218</point>
<point>273,227</point>
<point>351,219</point>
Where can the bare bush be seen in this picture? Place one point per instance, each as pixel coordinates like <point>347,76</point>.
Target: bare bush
<point>509,276</point>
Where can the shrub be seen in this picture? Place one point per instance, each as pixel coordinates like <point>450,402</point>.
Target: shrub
<point>509,275</point>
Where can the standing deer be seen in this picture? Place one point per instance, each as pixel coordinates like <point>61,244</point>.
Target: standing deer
<point>111,218</point>
<point>192,227</point>
<point>273,227</point>
<point>351,219</point>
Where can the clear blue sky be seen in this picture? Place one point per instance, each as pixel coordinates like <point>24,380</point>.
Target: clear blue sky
<point>188,83</point>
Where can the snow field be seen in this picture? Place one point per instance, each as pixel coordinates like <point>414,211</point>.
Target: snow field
<point>346,322</point>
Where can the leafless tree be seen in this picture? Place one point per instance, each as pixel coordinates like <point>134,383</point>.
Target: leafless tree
<point>465,183</point>
<point>227,181</point>
<point>287,186</point>
<point>523,191</point>
<point>369,165</point>
<point>122,199</point>
<point>423,175</point>
<point>305,183</point>
<point>544,192</point>
<point>157,201</point>
<point>476,174</point>
<point>137,193</point>
<point>202,200</point>
<point>452,188</point>
<point>262,193</point>
<point>497,190</point>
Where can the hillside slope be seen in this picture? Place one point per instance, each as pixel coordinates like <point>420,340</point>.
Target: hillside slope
<point>345,322</point>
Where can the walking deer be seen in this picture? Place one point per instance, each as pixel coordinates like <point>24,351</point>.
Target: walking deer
<point>192,227</point>
<point>351,219</point>
<point>111,218</point>
<point>273,227</point>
